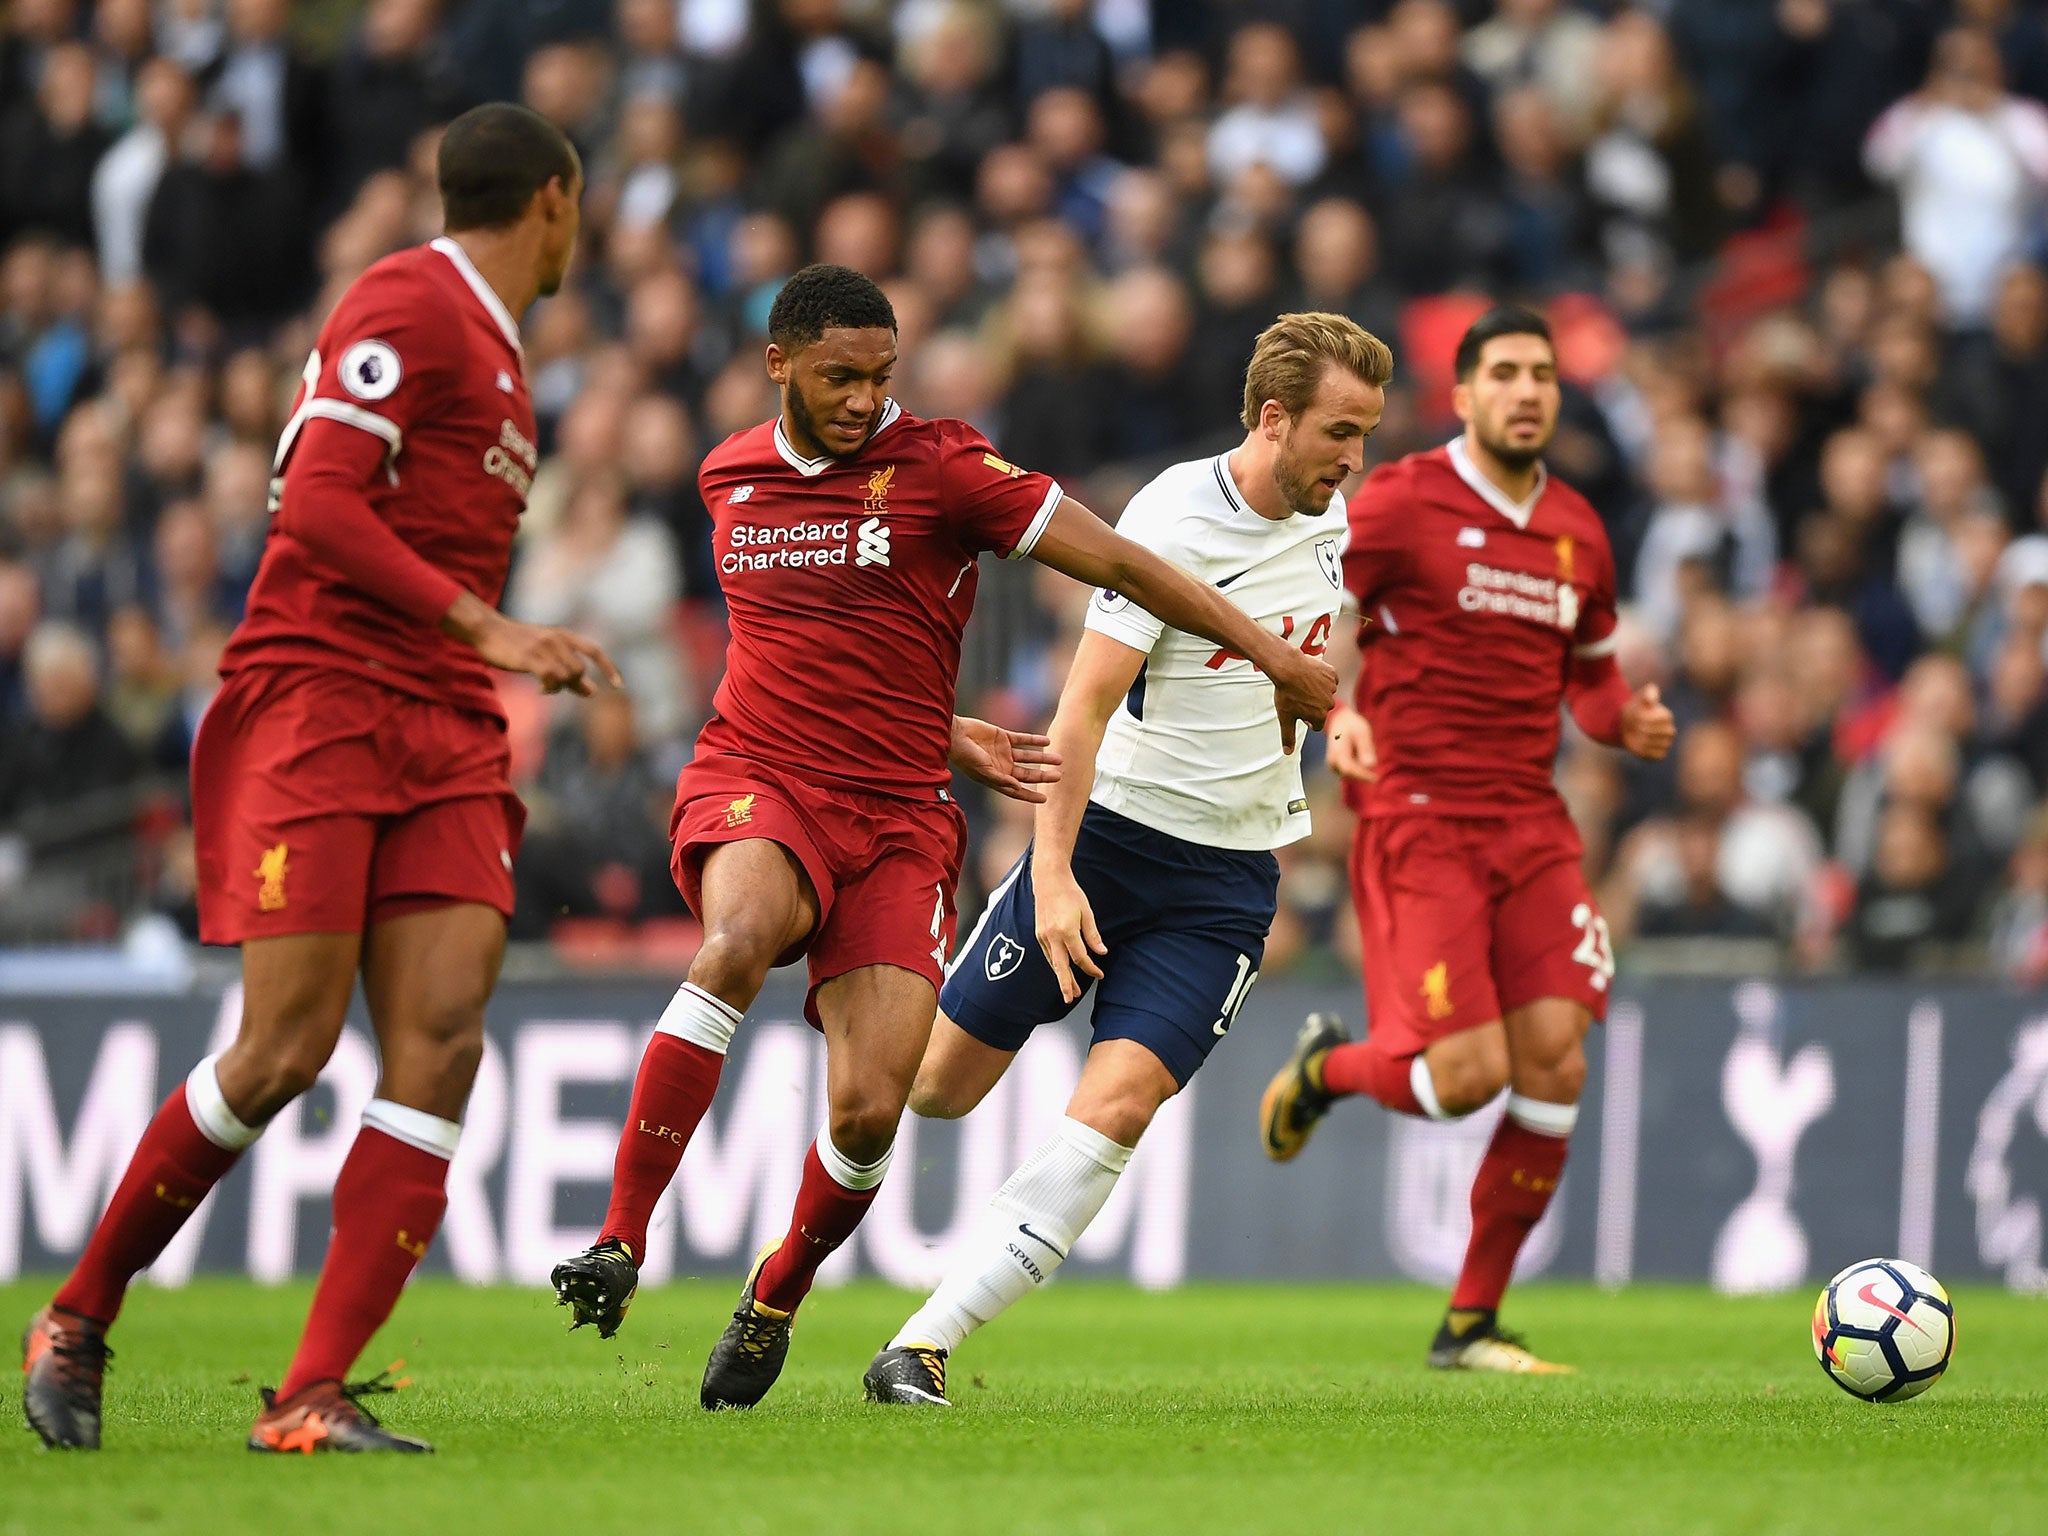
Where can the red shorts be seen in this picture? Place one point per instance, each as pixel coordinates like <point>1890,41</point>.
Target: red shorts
<point>323,802</point>
<point>883,867</point>
<point>1466,918</point>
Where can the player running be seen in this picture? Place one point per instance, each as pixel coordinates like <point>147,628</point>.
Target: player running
<point>1487,591</point>
<point>351,802</point>
<point>1152,870</point>
<point>815,819</point>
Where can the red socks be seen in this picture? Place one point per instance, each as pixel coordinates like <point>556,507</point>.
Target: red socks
<point>1360,1068</point>
<point>671,1091</point>
<point>834,1196</point>
<point>388,1202</point>
<point>1516,1179</point>
<point>187,1149</point>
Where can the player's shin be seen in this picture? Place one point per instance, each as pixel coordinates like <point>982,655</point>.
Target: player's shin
<point>1030,1227</point>
<point>1401,1083</point>
<point>830,1202</point>
<point>1516,1180</point>
<point>388,1203</point>
<point>677,1079</point>
<point>187,1149</point>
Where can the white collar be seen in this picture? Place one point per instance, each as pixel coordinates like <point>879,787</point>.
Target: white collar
<point>485,293</point>
<point>1515,512</point>
<point>803,466</point>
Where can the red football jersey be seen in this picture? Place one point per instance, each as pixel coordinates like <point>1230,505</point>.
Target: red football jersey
<point>848,583</point>
<point>1473,608</point>
<point>421,353</point>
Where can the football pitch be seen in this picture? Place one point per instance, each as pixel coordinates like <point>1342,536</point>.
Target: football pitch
<point>1090,1408</point>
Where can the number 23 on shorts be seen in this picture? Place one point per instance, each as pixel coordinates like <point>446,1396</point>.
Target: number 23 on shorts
<point>1595,949</point>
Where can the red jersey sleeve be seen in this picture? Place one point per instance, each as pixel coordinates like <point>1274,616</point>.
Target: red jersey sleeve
<point>382,366</point>
<point>1593,635</point>
<point>990,502</point>
<point>1379,535</point>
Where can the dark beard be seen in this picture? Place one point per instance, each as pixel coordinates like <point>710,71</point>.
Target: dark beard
<point>814,445</point>
<point>1516,459</point>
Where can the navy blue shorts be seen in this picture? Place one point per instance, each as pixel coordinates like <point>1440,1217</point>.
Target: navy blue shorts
<point>1185,924</point>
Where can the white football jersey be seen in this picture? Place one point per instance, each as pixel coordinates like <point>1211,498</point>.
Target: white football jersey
<point>1194,751</point>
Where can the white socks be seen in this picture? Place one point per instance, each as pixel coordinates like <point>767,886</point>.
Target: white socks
<point>1031,1224</point>
<point>209,1109</point>
<point>414,1127</point>
<point>844,1171</point>
<point>1544,1119</point>
<point>696,1016</point>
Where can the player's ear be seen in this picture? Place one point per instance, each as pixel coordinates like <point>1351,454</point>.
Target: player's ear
<point>778,364</point>
<point>1273,420</point>
<point>1461,399</point>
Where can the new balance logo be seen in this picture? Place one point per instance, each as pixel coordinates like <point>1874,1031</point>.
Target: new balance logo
<point>874,543</point>
<point>740,494</point>
<point>505,381</point>
<point>1472,538</point>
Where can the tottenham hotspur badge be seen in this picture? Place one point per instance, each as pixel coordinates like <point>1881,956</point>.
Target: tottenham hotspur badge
<point>1326,556</point>
<point>1005,954</point>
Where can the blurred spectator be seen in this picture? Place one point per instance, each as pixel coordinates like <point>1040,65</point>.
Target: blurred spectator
<point>2019,920</point>
<point>1541,43</point>
<point>611,577</point>
<point>389,86</point>
<point>127,177</point>
<point>1691,904</point>
<point>67,748</point>
<point>1649,168</point>
<point>278,98</point>
<point>1912,896</point>
<point>226,237</point>
<point>597,815</point>
<point>1270,121</point>
<point>1970,163</point>
<point>20,607</point>
<point>1693,522</point>
<point>49,144</point>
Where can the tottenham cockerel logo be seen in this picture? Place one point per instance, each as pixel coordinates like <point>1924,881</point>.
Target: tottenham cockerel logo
<point>1005,954</point>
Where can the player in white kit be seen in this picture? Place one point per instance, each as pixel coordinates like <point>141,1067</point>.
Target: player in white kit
<point>1152,872</point>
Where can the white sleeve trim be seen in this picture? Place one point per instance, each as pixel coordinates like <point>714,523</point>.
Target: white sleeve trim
<point>356,416</point>
<point>1024,545</point>
<point>1592,650</point>
<point>1130,625</point>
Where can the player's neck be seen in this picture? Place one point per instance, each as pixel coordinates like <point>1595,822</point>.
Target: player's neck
<point>1251,471</point>
<point>1518,484</point>
<point>506,260</point>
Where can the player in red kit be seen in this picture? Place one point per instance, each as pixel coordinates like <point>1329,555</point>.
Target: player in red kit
<point>351,800</point>
<point>815,820</point>
<point>1486,591</point>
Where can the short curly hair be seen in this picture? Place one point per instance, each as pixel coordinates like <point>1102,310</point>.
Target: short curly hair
<point>822,296</point>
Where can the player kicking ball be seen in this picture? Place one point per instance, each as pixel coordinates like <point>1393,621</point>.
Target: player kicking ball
<point>1151,875</point>
<point>815,821</point>
<point>1487,593</point>
<point>351,799</point>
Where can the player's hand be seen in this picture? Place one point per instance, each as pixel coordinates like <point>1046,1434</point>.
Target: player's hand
<point>1304,690</point>
<point>1647,728</point>
<point>1066,929</point>
<point>1353,754</point>
<point>1008,762</point>
<point>556,658</point>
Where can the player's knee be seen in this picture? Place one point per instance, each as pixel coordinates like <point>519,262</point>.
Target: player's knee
<point>734,962</point>
<point>1468,1082</point>
<point>257,1089</point>
<point>1558,1080</point>
<point>864,1128</point>
<point>934,1099</point>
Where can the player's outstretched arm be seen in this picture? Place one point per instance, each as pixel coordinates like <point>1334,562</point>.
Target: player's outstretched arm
<point>1639,722</point>
<point>1104,670</point>
<point>1080,544</point>
<point>558,658</point>
<point>1012,763</point>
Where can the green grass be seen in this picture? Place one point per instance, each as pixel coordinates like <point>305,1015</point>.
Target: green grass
<point>1089,1409</point>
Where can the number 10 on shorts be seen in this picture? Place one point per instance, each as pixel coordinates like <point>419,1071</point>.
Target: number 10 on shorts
<point>1240,989</point>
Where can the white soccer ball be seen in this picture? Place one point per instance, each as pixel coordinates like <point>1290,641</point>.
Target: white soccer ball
<point>1884,1330</point>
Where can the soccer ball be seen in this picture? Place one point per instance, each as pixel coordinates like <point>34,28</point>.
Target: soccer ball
<point>1884,1330</point>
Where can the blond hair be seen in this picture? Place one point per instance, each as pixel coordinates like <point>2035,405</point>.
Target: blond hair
<point>1288,361</point>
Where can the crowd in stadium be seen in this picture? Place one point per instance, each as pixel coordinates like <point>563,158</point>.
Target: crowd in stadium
<point>1791,248</point>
